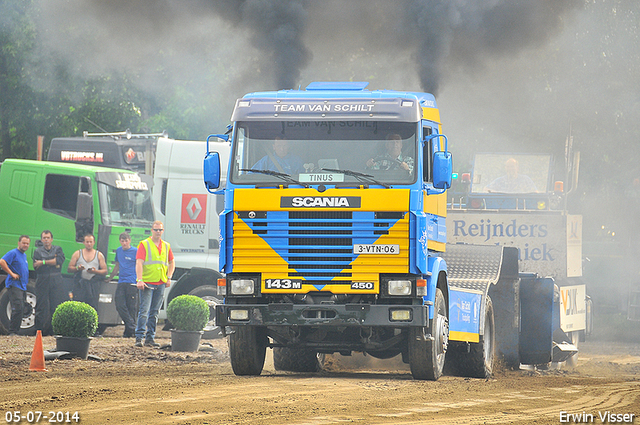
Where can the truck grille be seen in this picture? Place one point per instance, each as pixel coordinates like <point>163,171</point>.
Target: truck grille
<point>317,246</point>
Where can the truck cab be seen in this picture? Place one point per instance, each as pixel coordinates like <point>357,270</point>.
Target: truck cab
<point>333,239</point>
<point>71,200</point>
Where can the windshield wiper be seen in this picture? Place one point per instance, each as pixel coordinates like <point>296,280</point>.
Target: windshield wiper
<point>284,176</point>
<point>362,177</point>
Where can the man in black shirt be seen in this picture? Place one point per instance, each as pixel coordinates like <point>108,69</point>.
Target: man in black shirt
<point>47,261</point>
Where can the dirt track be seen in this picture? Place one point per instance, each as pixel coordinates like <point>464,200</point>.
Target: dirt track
<point>145,385</point>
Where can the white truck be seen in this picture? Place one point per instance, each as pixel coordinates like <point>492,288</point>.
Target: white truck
<point>190,215</point>
<point>179,197</point>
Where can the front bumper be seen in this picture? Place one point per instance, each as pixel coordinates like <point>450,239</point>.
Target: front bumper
<point>313,315</point>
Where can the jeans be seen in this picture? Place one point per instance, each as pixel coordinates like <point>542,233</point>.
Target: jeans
<point>49,294</point>
<point>17,298</point>
<point>150,302</point>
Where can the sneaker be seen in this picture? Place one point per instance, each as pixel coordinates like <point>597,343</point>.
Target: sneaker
<point>138,342</point>
<point>151,343</point>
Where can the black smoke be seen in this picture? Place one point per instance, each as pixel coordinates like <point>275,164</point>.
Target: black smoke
<point>468,33</point>
<point>277,29</point>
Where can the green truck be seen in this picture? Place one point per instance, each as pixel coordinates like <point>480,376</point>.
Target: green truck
<point>70,200</point>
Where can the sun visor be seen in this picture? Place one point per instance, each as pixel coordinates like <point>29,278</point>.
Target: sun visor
<point>378,109</point>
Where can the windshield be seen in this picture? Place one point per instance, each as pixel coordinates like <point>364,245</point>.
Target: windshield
<point>511,173</point>
<point>125,207</point>
<point>323,152</point>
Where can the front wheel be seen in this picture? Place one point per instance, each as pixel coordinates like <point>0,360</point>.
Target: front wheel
<point>28,325</point>
<point>247,350</point>
<point>428,346</point>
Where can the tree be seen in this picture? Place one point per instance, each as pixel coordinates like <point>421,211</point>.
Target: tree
<point>17,36</point>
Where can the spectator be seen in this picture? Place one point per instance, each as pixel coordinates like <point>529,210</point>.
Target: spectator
<point>126,292</point>
<point>90,263</point>
<point>154,268</point>
<point>16,265</point>
<point>47,261</point>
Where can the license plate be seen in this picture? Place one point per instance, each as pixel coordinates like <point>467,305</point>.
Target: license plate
<point>376,249</point>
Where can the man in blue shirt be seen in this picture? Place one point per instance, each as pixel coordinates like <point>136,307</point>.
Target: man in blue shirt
<point>280,160</point>
<point>16,265</point>
<point>126,292</point>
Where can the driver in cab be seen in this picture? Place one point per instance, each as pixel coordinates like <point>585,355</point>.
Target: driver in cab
<point>280,160</point>
<point>392,159</point>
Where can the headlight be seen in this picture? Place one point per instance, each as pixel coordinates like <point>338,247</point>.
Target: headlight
<point>242,287</point>
<point>399,315</point>
<point>399,287</point>
<point>239,314</point>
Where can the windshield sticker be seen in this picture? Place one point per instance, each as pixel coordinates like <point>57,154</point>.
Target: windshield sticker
<point>321,178</point>
<point>131,182</point>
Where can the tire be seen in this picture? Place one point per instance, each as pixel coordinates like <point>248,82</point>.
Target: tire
<point>247,350</point>
<point>28,326</point>
<point>426,357</point>
<point>209,293</point>
<point>297,359</point>
<point>478,362</point>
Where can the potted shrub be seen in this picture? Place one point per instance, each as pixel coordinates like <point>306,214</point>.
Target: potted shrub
<point>189,315</point>
<point>74,323</point>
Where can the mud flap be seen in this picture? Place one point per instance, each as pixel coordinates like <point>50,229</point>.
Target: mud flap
<point>536,321</point>
<point>107,313</point>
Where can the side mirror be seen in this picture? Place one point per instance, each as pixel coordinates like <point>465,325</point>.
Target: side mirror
<point>442,169</point>
<point>442,164</point>
<point>211,170</point>
<point>83,207</point>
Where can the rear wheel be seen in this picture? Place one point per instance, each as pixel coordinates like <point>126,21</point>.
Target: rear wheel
<point>247,350</point>
<point>428,346</point>
<point>297,359</point>
<point>28,326</point>
<point>478,363</point>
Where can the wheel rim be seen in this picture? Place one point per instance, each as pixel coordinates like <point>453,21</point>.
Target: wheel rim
<point>488,343</point>
<point>441,337</point>
<point>212,302</point>
<point>29,320</point>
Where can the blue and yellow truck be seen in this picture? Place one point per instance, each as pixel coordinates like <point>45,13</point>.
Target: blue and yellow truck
<point>333,239</point>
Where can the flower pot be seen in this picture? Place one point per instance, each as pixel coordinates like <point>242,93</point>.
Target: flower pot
<point>77,346</point>
<point>185,340</point>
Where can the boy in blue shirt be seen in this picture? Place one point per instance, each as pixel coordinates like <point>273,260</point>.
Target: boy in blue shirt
<point>16,265</point>
<point>126,292</point>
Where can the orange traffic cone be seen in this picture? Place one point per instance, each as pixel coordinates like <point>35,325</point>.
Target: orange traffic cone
<point>37,358</point>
